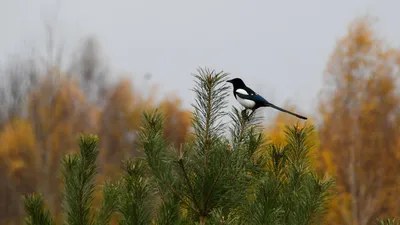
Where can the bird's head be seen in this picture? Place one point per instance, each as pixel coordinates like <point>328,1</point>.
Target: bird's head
<point>237,82</point>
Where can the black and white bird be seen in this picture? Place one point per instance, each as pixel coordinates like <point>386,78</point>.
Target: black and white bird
<point>251,100</point>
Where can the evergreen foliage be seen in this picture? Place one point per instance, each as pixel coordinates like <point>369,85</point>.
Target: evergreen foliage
<point>134,200</point>
<point>34,207</point>
<point>79,171</point>
<point>388,221</point>
<point>210,179</point>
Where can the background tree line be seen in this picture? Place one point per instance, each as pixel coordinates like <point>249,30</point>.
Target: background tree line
<point>45,106</point>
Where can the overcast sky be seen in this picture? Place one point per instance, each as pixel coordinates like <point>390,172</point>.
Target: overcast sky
<point>280,48</point>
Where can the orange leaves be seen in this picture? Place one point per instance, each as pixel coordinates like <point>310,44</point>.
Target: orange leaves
<point>326,158</point>
<point>357,56</point>
<point>57,110</point>
<point>17,147</point>
<point>119,121</point>
<point>17,166</point>
<point>360,128</point>
<point>361,37</point>
<point>176,121</point>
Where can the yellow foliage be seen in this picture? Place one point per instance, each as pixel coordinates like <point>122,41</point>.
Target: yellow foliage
<point>176,121</point>
<point>360,128</point>
<point>58,113</point>
<point>17,147</point>
<point>118,122</point>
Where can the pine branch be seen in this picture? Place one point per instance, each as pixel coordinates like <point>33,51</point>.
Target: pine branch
<point>135,194</point>
<point>266,205</point>
<point>266,199</point>
<point>109,203</point>
<point>216,180</point>
<point>318,195</point>
<point>247,137</point>
<point>37,215</point>
<point>188,182</point>
<point>154,146</point>
<point>211,93</point>
<point>290,192</point>
<point>276,163</point>
<point>388,221</point>
<point>300,145</point>
<point>79,171</point>
<point>169,212</point>
<point>218,217</point>
<point>308,194</point>
<point>239,126</point>
<point>242,124</point>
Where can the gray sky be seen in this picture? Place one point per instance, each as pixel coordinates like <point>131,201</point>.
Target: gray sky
<point>280,48</point>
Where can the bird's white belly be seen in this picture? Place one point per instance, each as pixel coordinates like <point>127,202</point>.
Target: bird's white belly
<point>246,102</point>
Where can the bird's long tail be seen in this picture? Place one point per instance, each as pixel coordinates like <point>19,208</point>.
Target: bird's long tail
<point>286,111</point>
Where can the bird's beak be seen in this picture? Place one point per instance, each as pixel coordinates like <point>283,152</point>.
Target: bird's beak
<point>229,81</point>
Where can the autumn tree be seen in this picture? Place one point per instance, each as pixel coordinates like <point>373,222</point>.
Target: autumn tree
<point>360,127</point>
<point>18,167</point>
<point>57,116</point>
<point>19,76</point>
<point>43,108</point>
<point>118,123</point>
<point>37,133</point>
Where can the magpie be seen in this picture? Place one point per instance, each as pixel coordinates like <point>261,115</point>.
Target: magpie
<point>251,100</point>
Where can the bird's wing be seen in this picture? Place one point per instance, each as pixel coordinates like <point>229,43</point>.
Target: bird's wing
<point>245,91</point>
<point>250,91</point>
<point>242,91</point>
<point>253,97</point>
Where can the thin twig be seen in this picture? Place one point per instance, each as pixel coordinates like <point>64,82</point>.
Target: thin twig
<point>180,197</point>
<point>189,184</point>
<point>215,181</point>
<point>208,118</point>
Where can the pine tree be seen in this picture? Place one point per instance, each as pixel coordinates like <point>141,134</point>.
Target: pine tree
<point>79,171</point>
<point>215,177</point>
<point>239,181</point>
